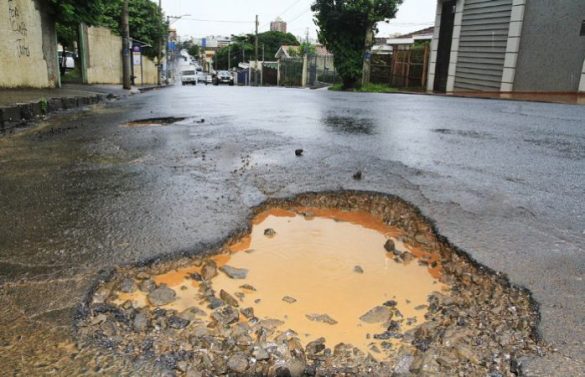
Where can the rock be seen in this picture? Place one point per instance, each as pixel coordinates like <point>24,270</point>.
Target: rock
<point>358,269</point>
<point>234,273</point>
<point>390,246</point>
<point>162,296</point>
<point>228,299</point>
<point>260,354</point>
<point>407,257</point>
<point>402,366</point>
<point>269,232</point>
<point>270,323</point>
<point>241,296</point>
<point>247,312</point>
<point>140,321</point>
<point>215,303</point>
<point>390,303</point>
<point>195,276</point>
<point>289,300</point>
<point>325,318</point>
<point>358,175</point>
<point>226,315</point>
<point>315,347</point>
<point>209,270</point>
<point>147,285</point>
<point>128,286</point>
<point>377,315</point>
<point>192,313</point>
<point>248,287</point>
<point>299,152</point>
<point>177,322</point>
<point>238,363</point>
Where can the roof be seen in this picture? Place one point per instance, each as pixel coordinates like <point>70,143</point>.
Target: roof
<point>284,51</point>
<point>411,38</point>
<point>423,32</point>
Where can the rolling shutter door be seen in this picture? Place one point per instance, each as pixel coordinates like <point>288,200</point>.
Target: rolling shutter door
<point>482,44</point>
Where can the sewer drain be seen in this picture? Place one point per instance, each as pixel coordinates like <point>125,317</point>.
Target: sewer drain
<point>165,121</point>
<point>321,284</point>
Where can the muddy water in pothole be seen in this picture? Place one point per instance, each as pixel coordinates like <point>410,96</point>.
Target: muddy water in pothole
<point>313,258</point>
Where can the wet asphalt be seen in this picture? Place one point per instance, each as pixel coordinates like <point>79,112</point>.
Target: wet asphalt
<point>83,192</point>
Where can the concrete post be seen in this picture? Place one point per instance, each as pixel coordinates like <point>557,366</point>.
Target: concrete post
<point>304,73</point>
<point>582,83</point>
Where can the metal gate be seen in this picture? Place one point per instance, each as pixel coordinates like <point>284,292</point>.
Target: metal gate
<point>291,71</point>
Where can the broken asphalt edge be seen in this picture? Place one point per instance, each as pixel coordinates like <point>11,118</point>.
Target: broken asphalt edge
<point>21,115</point>
<point>212,248</point>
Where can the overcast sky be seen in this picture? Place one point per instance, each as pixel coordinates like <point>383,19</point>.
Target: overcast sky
<point>225,17</point>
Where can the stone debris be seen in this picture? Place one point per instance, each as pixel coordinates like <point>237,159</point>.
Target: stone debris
<point>378,314</point>
<point>358,270</point>
<point>325,318</point>
<point>482,327</point>
<point>233,272</point>
<point>269,232</point>
<point>299,152</point>
<point>161,296</point>
<point>289,300</point>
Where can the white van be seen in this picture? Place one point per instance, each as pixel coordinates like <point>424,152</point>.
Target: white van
<point>189,76</point>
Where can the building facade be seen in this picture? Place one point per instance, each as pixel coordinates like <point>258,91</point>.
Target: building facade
<point>508,46</point>
<point>278,25</point>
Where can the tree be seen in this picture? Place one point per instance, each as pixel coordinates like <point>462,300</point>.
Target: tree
<point>344,26</point>
<point>242,47</point>
<point>69,13</point>
<point>147,23</point>
<point>305,48</point>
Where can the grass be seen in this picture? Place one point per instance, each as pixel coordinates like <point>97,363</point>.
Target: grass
<point>367,88</point>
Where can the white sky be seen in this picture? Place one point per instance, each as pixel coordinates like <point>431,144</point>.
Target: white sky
<point>237,16</point>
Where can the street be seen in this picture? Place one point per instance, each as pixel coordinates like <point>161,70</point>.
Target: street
<point>85,191</point>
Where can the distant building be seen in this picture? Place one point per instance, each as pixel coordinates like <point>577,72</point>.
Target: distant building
<point>212,42</point>
<point>278,25</point>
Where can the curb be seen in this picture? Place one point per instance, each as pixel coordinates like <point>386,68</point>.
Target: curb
<point>20,114</point>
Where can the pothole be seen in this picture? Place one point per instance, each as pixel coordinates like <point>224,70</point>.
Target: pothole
<point>321,284</point>
<point>149,122</point>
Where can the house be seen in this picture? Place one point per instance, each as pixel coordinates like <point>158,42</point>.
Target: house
<point>287,51</point>
<point>508,46</point>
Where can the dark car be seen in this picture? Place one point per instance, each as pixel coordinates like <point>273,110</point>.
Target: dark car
<point>223,77</point>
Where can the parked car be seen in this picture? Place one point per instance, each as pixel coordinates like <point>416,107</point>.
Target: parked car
<point>223,77</point>
<point>188,77</point>
<point>204,78</point>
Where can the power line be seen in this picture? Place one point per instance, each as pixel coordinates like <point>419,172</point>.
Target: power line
<point>299,16</point>
<point>218,21</point>
<point>289,7</point>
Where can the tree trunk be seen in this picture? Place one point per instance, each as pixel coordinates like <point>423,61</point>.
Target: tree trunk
<point>349,83</point>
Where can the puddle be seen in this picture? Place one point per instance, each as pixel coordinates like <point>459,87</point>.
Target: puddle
<point>328,262</point>
<point>312,290</point>
<point>149,122</point>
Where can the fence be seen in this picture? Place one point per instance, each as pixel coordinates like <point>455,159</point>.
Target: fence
<point>291,72</point>
<point>321,70</point>
<point>409,67</point>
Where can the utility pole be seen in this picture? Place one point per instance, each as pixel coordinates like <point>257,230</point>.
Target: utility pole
<point>256,54</point>
<point>160,46</point>
<point>126,47</point>
<point>229,58</point>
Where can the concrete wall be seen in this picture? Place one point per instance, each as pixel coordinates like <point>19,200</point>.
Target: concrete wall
<point>103,56</point>
<point>28,45</point>
<point>551,51</point>
<point>146,74</point>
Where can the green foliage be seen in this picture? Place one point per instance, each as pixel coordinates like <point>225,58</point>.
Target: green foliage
<point>367,88</point>
<point>343,28</point>
<point>67,34</point>
<point>72,12</point>
<point>242,48</point>
<point>147,23</point>
<point>194,51</point>
<point>305,48</point>
<point>44,104</point>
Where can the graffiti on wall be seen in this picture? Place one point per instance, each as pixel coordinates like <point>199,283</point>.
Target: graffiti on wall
<point>18,26</point>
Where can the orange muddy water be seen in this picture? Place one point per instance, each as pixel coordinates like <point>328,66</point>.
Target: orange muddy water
<point>313,258</point>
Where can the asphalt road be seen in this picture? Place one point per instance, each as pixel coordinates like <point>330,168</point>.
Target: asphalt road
<point>503,180</point>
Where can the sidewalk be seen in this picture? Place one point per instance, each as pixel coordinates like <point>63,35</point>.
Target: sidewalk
<point>565,98</point>
<point>19,106</point>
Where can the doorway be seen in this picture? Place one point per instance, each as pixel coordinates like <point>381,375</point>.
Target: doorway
<point>444,48</point>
